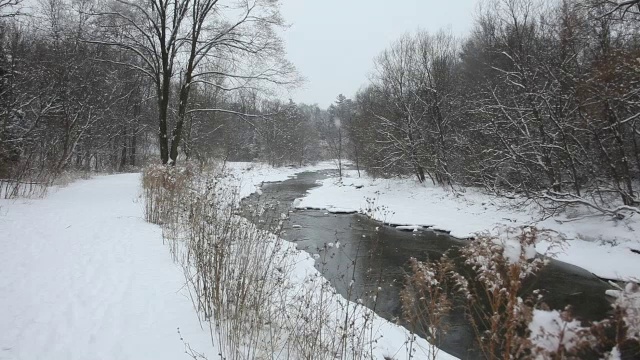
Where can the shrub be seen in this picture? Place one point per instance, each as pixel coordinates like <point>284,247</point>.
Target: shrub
<point>489,281</point>
<point>163,189</point>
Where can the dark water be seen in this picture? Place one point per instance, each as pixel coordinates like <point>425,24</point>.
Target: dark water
<point>375,257</point>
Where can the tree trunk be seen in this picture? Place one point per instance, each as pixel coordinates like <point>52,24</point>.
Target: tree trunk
<point>176,137</point>
<point>420,174</point>
<point>134,144</point>
<point>355,153</point>
<point>163,104</point>
<point>123,156</point>
<point>164,92</point>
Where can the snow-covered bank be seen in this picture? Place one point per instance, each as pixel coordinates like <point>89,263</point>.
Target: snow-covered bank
<point>83,276</point>
<point>248,176</point>
<point>598,244</point>
<point>388,340</point>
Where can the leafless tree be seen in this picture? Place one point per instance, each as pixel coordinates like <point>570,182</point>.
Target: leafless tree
<point>417,76</point>
<point>188,42</point>
<point>540,100</point>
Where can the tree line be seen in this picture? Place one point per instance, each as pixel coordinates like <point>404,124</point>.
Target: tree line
<point>109,85</point>
<point>541,99</point>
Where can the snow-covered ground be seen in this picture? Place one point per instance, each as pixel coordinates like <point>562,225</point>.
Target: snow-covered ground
<point>599,244</point>
<point>249,176</point>
<point>83,276</point>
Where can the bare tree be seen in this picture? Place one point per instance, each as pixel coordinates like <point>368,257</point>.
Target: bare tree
<point>619,8</point>
<point>180,38</point>
<point>10,8</point>
<point>417,77</point>
<point>336,126</point>
<point>540,100</point>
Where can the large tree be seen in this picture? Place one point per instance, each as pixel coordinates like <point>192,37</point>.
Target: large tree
<point>186,43</point>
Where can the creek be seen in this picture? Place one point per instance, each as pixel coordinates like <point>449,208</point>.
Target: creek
<point>374,255</point>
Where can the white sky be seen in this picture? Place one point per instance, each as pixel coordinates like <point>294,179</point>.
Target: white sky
<point>333,42</point>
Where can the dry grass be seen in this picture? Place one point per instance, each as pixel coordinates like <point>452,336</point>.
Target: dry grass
<point>164,187</point>
<point>11,189</point>
<point>36,185</point>
<point>248,285</point>
<point>490,284</point>
<point>426,300</point>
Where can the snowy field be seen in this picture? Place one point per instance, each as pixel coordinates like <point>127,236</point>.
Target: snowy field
<point>598,244</point>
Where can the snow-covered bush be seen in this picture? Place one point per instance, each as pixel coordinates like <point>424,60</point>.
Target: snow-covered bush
<point>497,310</point>
<point>555,334</point>
<point>628,303</point>
<point>488,279</point>
<point>625,322</point>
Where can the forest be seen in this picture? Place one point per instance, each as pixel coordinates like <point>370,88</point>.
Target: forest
<point>541,99</point>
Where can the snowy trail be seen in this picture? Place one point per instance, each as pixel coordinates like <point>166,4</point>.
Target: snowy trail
<point>82,276</point>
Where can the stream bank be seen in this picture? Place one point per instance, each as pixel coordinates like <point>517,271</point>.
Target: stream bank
<point>352,247</point>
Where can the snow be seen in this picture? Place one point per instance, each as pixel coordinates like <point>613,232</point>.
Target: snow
<point>607,261</point>
<point>409,227</point>
<point>599,244</point>
<point>83,276</point>
<point>549,331</point>
<point>338,210</point>
<point>249,176</point>
<point>614,354</point>
<point>628,299</point>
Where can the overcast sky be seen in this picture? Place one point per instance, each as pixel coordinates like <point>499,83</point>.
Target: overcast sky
<point>333,42</point>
